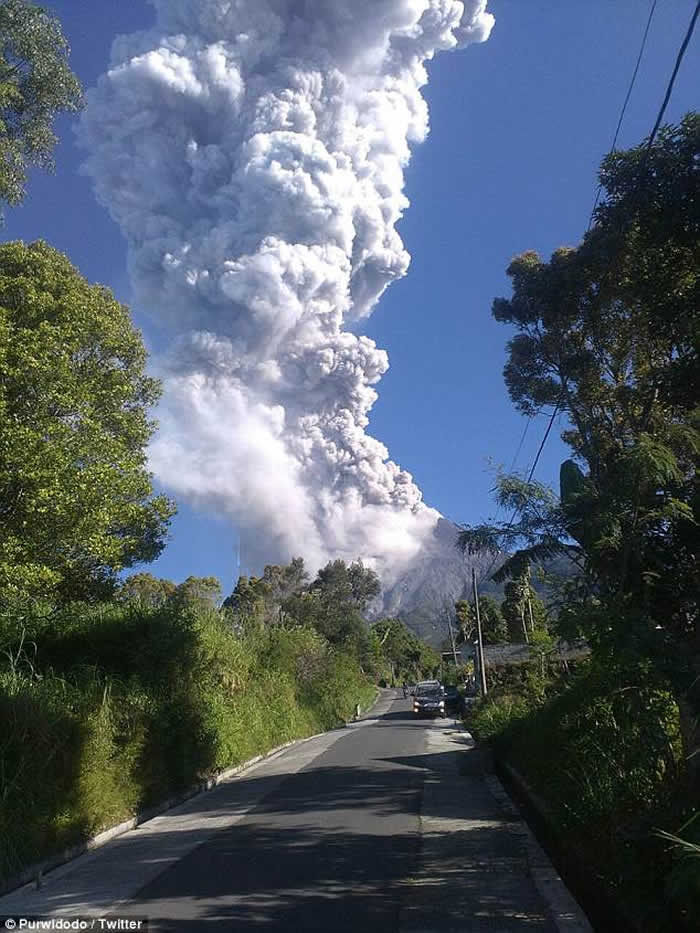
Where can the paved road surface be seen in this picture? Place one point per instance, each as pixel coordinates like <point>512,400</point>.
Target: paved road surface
<point>375,827</point>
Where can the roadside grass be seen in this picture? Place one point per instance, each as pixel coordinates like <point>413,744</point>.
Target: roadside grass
<point>603,750</point>
<point>107,710</point>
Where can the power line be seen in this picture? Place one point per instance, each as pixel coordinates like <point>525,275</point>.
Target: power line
<point>517,452</point>
<point>657,124</point>
<point>512,465</point>
<point>544,441</point>
<point>669,89</point>
<point>627,97</point>
<point>520,445</point>
<point>529,478</point>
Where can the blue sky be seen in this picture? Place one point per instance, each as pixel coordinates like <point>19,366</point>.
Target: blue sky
<point>519,126</point>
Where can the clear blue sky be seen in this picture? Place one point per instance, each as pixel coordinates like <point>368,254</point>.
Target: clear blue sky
<point>519,126</point>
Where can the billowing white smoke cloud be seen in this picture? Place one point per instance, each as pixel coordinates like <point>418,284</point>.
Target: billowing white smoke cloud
<point>252,152</point>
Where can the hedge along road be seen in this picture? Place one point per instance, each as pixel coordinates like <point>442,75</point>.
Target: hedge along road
<point>370,827</point>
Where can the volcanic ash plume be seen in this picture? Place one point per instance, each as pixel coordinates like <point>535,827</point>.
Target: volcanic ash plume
<point>252,152</point>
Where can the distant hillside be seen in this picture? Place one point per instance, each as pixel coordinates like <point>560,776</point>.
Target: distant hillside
<point>440,575</point>
<point>429,588</point>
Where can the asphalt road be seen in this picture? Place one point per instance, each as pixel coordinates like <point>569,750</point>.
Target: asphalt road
<point>327,850</point>
<point>375,827</point>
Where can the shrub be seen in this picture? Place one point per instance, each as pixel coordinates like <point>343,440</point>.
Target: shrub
<point>108,709</point>
<point>605,754</point>
<point>492,716</point>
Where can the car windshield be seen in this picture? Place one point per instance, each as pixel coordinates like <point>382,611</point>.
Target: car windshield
<point>428,691</point>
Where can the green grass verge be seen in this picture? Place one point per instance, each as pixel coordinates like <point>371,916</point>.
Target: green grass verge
<point>603,751</point>
<point>108,710</point>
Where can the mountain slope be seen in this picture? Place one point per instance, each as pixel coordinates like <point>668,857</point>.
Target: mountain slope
<point>424,595</point>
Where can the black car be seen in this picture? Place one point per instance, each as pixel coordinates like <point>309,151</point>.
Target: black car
<point>453,700</point>
<point>428,700</point>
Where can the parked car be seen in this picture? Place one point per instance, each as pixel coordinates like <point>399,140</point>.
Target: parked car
<point>428,699</point>
<point>454,701</point>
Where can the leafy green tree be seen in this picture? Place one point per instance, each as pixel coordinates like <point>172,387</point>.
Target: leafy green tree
<point>270,598</point>
<point>76,503</point>
<point>493,626</point>
<point>197,591</point>
<point>608,334</point>
<point>523,611</point>
<point>466,621</point>
<point>35,84</point>
<point>336,601</point>
<point>333,604</point>
<point>246,604</point>
<point>352,584</point>
<point>146,589</point>
<point>279,584</point>
<point>538,530</point>
<point>408,658</point>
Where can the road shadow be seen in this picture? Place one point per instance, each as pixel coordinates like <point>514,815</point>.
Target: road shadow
<point>337,847</point>
<point>307,878</point>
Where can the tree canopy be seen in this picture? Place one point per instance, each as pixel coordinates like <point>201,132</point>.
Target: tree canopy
<point>35,84</point>
<point>409,658</point>
<point>76,502</point>
<point>608,334</point>
<point>153,592</point>
<point>493,626</point>
<point>146,589</point>
<point>334,603</point>
<point>265,598</point>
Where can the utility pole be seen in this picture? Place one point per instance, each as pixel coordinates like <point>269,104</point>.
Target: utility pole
<point>528,591</point>
<point>454,647</point>
<point>452,635</point>
<point>480,641</point>
<point>477,665</point>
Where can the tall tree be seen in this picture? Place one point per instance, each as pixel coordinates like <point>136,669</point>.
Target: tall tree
<point>336,600</point>
<point>197,591</point>
<point>466,621</point>
<point>247,601</point>
<point>35,84</point>
<point>523,610</point>
<point>493,626</point>
<point>279,585</point>
<point>76,503</point>
<point>350,584</point>
<point>608,333</point>
<point>268,598</point>
<point>409,658</point>
<point>146,589</point>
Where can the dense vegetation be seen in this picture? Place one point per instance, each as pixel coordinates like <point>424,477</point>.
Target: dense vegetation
<point>608,334</point>
<point>35,84</point>
<point>76,503</point>
<point>110,708</point>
